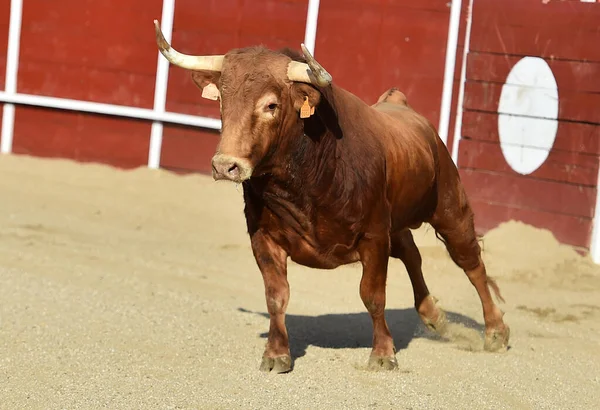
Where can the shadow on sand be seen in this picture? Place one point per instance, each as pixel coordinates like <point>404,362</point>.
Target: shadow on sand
<point>354,330</point>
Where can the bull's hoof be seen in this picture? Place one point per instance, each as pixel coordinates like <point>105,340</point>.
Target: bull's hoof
<point>281,364</point>
<point>496,340</point>
<point>432,316</point>
<point>438,324</point>
<point>382,363</point>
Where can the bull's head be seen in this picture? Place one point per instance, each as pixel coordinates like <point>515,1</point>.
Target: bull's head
<point>261,93</point>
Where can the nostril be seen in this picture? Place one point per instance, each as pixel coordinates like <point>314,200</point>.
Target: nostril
<point>234,170</point>
<point>229,168</point>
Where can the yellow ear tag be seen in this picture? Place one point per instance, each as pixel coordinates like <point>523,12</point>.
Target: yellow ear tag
<point>305,110</point>
<point>210,92</point>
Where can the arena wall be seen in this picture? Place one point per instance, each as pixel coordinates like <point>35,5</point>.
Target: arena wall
<point>560,193</point>
<point>84,50</point>
<point>105,52</point>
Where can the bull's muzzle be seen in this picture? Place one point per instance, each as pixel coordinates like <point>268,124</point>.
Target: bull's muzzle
<point>231,168</point>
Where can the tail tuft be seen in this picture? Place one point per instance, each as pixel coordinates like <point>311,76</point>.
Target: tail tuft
<point>492,282</point>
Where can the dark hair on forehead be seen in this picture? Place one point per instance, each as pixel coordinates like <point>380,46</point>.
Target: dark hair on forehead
<point>293,54</point>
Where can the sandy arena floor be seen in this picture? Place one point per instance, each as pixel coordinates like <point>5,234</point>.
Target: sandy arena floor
<point>138,290</point>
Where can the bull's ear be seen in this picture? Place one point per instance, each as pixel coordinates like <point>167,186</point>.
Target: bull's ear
<point>206,81</point>
<point>304,95</point>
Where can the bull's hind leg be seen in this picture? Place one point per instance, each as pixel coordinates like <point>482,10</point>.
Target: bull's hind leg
<point>404,248</point>
<point>454,224</point>
<point>271,260</point>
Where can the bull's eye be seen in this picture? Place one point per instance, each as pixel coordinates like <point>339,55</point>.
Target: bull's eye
<point>267,106</point>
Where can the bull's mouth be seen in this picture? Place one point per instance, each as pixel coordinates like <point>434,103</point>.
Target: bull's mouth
<point>229,168</point>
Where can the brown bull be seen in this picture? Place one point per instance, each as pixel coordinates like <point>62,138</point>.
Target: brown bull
<point>340,183</point>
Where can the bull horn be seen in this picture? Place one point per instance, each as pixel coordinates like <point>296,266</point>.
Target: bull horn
<point>311,72</point>
<point>210,63</point>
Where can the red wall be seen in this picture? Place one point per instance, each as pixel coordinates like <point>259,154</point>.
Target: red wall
<point>82,49</point>
<point>371,45</point>
<point>560,195</point>
<point>71,49</point>
<point>4,17</point>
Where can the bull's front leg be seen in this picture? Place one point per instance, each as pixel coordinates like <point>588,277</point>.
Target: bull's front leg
<point>272,262</point>
<point>374,257</point>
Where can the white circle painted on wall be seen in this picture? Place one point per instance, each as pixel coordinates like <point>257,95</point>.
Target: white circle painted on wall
<point>527,113</point>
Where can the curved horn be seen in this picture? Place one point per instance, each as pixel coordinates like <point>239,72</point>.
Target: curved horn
<point>210,63</point>
<point>311,72</point>
<point>322,76</point>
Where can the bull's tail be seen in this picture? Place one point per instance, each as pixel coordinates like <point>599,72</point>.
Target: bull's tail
<point>490,281</point>
<point>495,288</point>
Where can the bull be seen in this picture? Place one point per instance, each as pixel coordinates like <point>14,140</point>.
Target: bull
<point>329,180</point>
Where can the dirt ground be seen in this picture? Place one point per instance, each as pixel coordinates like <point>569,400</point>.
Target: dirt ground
<point>138,290</point>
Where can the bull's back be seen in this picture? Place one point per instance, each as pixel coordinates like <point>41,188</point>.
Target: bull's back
<point>394,103</point>
<point>392,96</point>
<point>413,159</point>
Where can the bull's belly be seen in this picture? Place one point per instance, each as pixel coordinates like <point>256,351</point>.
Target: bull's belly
<point>325,257</point>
